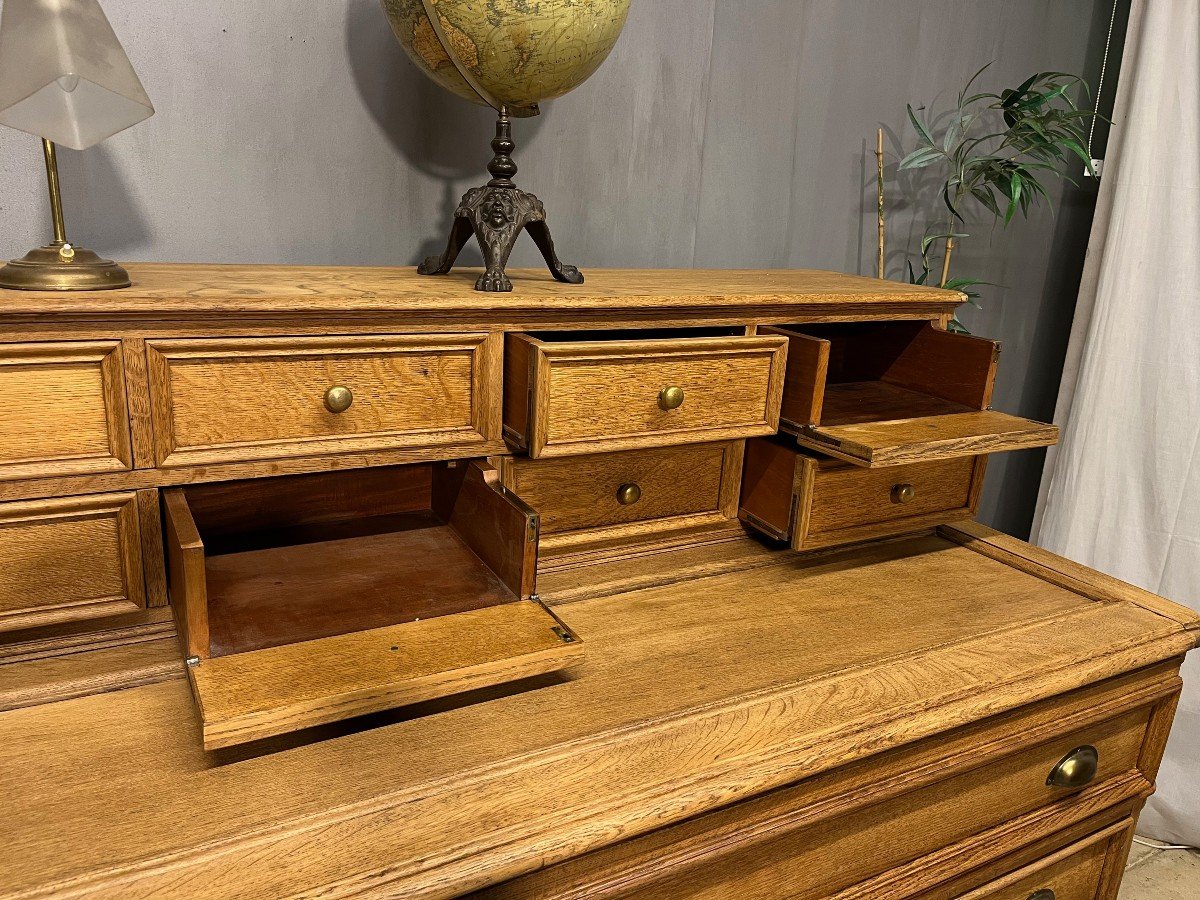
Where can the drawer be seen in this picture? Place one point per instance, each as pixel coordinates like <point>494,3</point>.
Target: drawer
<point>634,490</point>
<point>884,394</point>
<point>815,502</point>
<point>582,392</point>
<point>302,600</point>
<point>250,399</point>
<point>1089,869</point>
<point>894,825</point>
<point>69,559</point>
<point>66,413</point>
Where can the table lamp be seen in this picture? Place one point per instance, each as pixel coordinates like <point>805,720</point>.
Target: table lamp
<point>65,77</point>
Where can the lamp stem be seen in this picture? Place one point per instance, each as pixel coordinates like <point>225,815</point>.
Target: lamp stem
<point>56,211</point>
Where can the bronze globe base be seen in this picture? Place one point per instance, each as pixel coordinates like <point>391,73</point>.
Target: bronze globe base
<point>61,267</point>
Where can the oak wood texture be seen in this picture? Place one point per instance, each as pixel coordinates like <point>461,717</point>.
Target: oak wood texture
<point>814,502</point>
<point>69,559</point>
<point>230,400</point>
<point>65,412</point>
<point>819,664</point>
<point>901,441</point>
<point>249,696</point>
<point>588,395</point>
<point>680,488</point>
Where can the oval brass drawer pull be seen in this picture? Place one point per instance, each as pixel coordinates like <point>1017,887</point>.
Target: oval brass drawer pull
<point>670,397</point>
<point>1076,769</point>
<point>338,399</point>
<point>903,493</point>
<point>629,494</point>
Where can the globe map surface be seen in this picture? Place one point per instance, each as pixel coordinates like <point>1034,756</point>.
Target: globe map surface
<point>520,51</point>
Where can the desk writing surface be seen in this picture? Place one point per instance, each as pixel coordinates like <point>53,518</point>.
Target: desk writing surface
<point>693,694</point>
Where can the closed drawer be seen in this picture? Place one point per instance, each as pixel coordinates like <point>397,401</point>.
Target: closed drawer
<point>582,393</point>
<point>65,412</point>
<point>890,393</point>
<point>271,398</point>
<point>815,502</point>
<point>686,485</point>
<point>69,559</point>
<point>897,825</point>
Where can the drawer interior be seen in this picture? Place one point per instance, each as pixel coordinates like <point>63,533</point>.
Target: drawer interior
<point>390,576</point>
<point>885,393</point>
<point>632,334</point>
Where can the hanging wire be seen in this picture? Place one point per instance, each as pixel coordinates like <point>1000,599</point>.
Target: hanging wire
<point>1112,22</point>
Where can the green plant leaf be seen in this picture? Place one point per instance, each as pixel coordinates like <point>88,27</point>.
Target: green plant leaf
<point>921,157</point>
<point>920,126</point>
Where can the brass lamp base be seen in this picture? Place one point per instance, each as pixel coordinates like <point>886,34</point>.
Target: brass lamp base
<point>62,267</point>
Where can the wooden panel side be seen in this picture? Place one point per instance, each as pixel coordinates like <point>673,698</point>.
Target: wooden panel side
<point>185,569</point>
<point>960,368</point>
<point>518,352</point>
<point>768,478</point>
<point>807,369</point>
<point>137,392</point>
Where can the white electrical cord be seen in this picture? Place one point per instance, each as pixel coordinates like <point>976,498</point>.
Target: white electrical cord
<point>1157,846</point>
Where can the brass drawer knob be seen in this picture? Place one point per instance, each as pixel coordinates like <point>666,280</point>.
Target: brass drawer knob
<point>628,494</point>
<point>1041,894</point>
<point>670,397</point>
<point>338,399</point>
<point>903,493</point>
<point>1076,769</point>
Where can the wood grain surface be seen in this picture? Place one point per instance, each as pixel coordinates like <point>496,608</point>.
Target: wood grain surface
<point>819,663</point>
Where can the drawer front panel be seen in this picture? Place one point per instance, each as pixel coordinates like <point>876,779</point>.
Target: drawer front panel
<point>582,491</point>
<point>69,559</point>
<point>846,496</point>
<point>71,416</point>
<point>787,844</point>
<point>589,397</point>
<point>250,399</point>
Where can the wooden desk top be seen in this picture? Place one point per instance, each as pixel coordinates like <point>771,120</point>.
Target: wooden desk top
<point>757,669</point>
<point>167,290</point>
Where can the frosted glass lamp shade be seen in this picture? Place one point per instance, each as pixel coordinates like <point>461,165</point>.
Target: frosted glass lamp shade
<point>64,76</point>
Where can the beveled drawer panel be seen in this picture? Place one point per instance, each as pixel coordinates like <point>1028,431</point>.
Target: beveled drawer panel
<point>571,396</point>
<point>898,825</point>
<point>633,486</point>
<point>65,412</point>
<point>248,399</point>
<point>69,559</point>
<point>815,502</point>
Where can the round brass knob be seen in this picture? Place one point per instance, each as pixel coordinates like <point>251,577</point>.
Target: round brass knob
<point>338,399</point>
<point>1076,769</point>
<point>628,494</point>
<point>1041,894</point>
<point>903,493</point>
<point>670,397</point>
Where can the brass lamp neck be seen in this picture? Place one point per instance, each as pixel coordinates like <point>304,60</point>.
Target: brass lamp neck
<point>56,211</point>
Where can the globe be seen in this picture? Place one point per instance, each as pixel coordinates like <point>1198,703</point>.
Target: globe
<point>518,52</point>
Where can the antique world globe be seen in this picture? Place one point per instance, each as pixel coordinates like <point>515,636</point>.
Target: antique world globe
<point>511,55</point>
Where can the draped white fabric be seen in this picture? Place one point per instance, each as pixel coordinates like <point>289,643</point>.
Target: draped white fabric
<point>1122,491</point>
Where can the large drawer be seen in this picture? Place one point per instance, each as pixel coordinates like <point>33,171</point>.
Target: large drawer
<point>66,412</point>
<point>69,559</point>
<point>219,400</point>
<point>894,826</point>
<point>634,491</point>
<point>572,393</point>
<point>813,501</point>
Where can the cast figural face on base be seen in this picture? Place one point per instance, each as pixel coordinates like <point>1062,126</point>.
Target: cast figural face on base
<point>510,56</point>
<point>65,78</point>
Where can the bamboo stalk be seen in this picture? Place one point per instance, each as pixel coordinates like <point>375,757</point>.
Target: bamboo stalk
<point>946,262</point>
<point>882,225</point>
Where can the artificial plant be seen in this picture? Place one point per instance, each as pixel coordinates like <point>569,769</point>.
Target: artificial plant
<point>995,151</point>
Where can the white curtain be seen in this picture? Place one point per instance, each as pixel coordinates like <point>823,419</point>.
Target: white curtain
<point>1122,491</point>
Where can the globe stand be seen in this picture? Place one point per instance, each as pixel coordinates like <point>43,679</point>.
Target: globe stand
<point>496,213</point>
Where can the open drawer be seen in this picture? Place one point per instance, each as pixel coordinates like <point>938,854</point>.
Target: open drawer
<point>815,501</point>
<point>308,599</point>
<point>885,394</point>
<point>576,392</point>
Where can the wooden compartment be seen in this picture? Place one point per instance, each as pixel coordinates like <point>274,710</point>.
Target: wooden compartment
<point>416,397</point>
<point>306,599</point>
<point>584,392</point>
<point>815,501</point>
<point>884,394</point>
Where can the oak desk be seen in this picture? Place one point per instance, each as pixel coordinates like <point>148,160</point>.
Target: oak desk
<point>777,659</point>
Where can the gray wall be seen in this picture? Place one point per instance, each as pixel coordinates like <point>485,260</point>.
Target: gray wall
<point>719,133</point>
